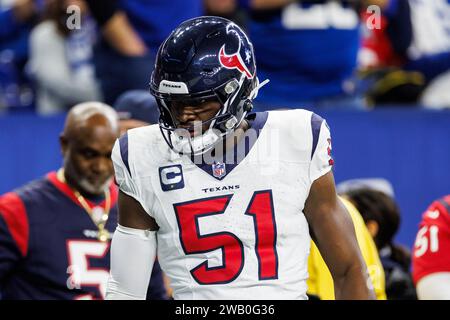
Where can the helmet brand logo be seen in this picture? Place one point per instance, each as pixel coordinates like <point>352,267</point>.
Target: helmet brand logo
<point>171,85</point>
<point>234,61</point>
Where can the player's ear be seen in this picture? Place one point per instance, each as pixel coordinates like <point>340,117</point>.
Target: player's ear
<point>64,143</point>
<point>373,227</point>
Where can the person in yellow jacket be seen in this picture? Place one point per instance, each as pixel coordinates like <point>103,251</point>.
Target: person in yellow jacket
<point>320,282</point>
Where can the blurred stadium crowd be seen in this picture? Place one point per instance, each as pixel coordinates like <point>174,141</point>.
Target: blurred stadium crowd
<point>321,55</point>
<point>325,54</point>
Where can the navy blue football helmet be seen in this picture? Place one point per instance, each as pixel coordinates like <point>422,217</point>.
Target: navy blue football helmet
<point>206,58</point>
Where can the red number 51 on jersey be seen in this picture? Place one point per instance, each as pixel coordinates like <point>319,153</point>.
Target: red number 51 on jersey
<point>260,208</point>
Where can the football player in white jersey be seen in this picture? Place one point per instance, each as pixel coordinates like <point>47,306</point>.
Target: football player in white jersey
<point>227,199</point>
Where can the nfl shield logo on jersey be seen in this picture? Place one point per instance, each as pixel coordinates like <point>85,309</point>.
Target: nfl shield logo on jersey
<point>219,170</point>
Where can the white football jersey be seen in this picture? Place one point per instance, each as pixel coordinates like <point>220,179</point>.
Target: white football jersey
<point>231,231</point>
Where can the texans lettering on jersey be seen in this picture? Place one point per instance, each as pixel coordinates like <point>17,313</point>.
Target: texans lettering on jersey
<point>432,245</point>
<point>231,230</point>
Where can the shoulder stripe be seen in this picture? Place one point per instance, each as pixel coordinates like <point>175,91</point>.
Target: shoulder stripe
<point>13,211</point>
<point>316,124</point>
<point>123,142</point>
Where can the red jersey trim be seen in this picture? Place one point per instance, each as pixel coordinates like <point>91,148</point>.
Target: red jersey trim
<point>13,211</point>
<point>65,189</point>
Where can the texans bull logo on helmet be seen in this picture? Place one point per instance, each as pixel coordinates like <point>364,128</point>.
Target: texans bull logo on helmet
<point>234,61</point>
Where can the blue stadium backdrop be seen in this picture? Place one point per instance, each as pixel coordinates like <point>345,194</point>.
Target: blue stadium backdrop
<point>410,148</point>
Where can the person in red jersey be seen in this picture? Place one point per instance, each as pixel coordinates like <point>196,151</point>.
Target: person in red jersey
<point>431,258</point>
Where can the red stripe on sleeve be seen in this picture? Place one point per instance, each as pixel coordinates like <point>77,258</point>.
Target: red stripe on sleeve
<point>114,190</point>
<point>14,213</point>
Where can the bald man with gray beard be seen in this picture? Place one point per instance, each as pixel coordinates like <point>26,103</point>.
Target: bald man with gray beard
<point>55,232</point>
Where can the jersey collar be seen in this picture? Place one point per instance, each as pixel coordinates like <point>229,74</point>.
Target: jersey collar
<point>219,171</point>
<point>67,191</point>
